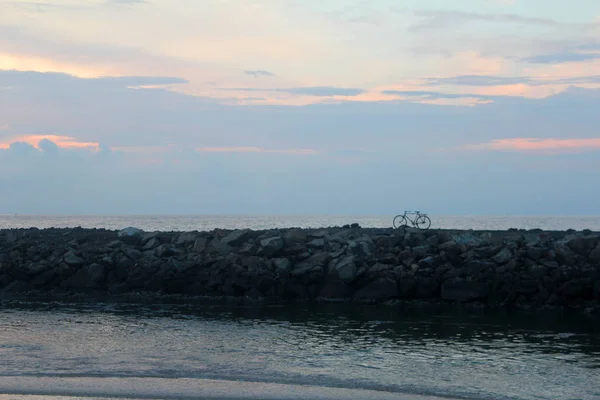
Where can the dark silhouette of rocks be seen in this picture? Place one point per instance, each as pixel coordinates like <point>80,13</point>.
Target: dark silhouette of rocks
<point>514,268</point>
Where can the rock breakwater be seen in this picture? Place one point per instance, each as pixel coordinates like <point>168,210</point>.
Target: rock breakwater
<point>499,268</point>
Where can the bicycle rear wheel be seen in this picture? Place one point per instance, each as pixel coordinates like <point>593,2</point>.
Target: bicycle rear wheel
<point>400,221</point>
<point>423,222</point>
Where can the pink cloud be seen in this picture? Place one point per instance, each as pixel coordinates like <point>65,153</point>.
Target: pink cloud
<point>66,142</point>
<point>539,145</point>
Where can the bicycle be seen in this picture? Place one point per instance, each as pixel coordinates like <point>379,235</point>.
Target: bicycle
<point>421,221</point>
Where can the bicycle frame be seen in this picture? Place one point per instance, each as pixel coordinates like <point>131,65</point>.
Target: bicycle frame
<point>417,214</point>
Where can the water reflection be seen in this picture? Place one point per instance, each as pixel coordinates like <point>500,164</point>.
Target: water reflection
<point>426,349</point>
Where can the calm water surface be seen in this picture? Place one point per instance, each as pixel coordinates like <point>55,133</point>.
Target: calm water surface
<point>225,351</point>
<point>209,222</point>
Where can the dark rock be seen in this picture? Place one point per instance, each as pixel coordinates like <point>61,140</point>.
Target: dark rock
<point>453,247</point>
<point>70,258</point>
<point>236,238</point>
<point>151,244</point>
<point>535,253</point>
<point>185,239</point>
<point>165,250</point>
<point>317,243</point>
<point>199,245</point>
<point>595,255</point>
<point>346,269</point>
<point>583,245</point>
<point>314,267</point>
<point>131,236</point>
<point>270,247</point>
<point>216,246</point>
<point>294,237</point>
<point>503,256</point>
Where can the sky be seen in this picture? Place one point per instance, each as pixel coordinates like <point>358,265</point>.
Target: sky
<point>346,107</point>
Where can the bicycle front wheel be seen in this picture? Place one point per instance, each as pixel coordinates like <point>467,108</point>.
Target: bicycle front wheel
<point>400,221</point>
<point>423,222</point>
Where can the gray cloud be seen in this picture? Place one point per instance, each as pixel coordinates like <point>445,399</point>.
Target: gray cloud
<point>259,73</point>
<point>17,79</point>
<point>441,19</point>
<point>560,58</point>
<point>436,95</point>
<point>489,80</point>
<point>324,91</point>
<point>478,80</point>
<point>362,148</point>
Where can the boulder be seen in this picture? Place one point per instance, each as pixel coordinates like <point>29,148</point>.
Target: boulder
<point>71,259</point>
<point>452,247</point>
<point>237,237</point>
<point>199,245</point>
<point>314,265</point>
<point>503,256</point>
<point>317,243</point>
<point>595,255</point>
<point>130,235</point>
<point>469,239</point>
<point>269,247</point>
<point>295,236</point>
<point>583,245</point>
<point>185,239</point>
<point>346,269</point>
<point>151,244</point>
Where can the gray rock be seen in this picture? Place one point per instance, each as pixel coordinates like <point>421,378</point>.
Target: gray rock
<point>199,245</point>
<point>503,256</point>
<point>237,237</point>
<point>346,269</point>
<point>72,259</point>
<point>218,246</point>
<point>97,273</point>
<point>132,253</point>
<point>130,235</point>
<point>151,244</point>
<point>583,245</point>
<point>270,246</point>
<point>361,248</point>
<point>595,255</point>
<point>314,265</point>
<point>317,243</point>
<point>469,239</point>
<point>535,253</point>
<point>295,236</point>
<point>421,251</point>
<point>165,250</point>
<point>108,260</point>
<point>146,237</point>
<point>453,247</point>
<point>282,264</point>
<point>185,238</point>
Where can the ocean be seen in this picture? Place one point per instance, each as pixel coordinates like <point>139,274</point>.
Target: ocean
<point>53,349</point>
<point>210,222</point>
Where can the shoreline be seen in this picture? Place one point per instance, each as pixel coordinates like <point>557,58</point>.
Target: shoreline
<point>512,269</point>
